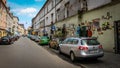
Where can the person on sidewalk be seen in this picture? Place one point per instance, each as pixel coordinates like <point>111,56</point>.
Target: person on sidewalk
<point>78,30</point>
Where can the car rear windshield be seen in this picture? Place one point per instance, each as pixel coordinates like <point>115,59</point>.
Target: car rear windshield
<point>44,37</point>
<point>89,42</point>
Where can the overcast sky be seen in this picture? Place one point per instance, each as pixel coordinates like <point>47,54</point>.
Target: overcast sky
<point>25,10</point>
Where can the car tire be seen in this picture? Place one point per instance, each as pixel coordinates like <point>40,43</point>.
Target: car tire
<point>72,57</point>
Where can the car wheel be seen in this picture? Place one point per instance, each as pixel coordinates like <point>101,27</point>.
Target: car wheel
<point>72,56</point>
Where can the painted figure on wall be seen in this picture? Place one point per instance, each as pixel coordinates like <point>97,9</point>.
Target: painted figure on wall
<point>89,32</point>
<point>78,30</point>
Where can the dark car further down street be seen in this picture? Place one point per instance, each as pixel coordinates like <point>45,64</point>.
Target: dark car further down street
<point>6,40</point>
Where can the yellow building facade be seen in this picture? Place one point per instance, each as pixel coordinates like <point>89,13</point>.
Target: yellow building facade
<point>3,14</point>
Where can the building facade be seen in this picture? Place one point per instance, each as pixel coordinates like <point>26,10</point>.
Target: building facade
<point>103,16</point>
<point>8,22</point>
<point>100,16</point>
<point>15,25</point>
<point>54,11</point>
<point>21,29</point>
<point>3,13</point>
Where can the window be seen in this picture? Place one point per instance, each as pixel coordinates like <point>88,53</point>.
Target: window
<point>46,19</point>
<point>47,9</point>
<point>58,11</point>
<point>65,41</point>
<point>75,41</point>
<point>52,17</point>
<point>52,3</point>
<point>69,41</point>
<point>89,42</point>
<point>66,9</point>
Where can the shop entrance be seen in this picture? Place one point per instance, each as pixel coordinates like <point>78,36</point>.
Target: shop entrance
<point>117,36</point>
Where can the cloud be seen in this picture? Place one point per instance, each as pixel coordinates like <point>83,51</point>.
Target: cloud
<point>32,15</point>
<point>31,12</point>
<point>28,10</point>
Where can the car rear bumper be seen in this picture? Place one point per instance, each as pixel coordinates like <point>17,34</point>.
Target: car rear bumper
<point>90,55</point>
<point>43,43</point>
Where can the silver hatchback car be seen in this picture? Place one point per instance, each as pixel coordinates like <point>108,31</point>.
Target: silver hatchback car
<point>84,47</point>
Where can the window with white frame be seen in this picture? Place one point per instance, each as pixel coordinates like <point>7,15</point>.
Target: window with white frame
<point>46,19</point>
<point>66,9</point>
<point>58,10</point>
<point>52,17</point>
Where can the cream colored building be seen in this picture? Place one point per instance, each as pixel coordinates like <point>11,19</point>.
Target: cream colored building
<point>54,11</point>
<point>100,15</point>
<point>106,12</point>
<point>9,22</point>
<point>3,14</point>
<point>15,25</point>
<point>21,29</point>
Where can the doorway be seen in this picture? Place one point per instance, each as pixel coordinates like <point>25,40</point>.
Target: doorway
<point>117,36</point>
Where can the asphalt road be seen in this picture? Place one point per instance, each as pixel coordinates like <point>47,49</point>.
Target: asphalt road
<point>25,53</point>
<point>110,60</point>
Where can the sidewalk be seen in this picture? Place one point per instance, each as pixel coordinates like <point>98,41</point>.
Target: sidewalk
<point>110,60</point>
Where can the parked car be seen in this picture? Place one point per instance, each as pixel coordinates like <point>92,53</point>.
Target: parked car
<point>32,37</point>
<point>28,36</point>
<point>37,38</point>
<point>6,40</point>
<point>16,37</point>
<point>81,48</point>
<point>44,40</point>
<point>54,43</point>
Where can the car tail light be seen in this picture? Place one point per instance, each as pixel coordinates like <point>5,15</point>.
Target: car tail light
<point>100,46</point>
<point>83,48</point>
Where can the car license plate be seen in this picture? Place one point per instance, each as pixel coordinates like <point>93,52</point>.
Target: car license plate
<point>94,51</point>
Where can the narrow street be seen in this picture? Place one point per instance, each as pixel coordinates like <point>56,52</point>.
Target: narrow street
<point>86,29</point>
<point>25,53</point>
